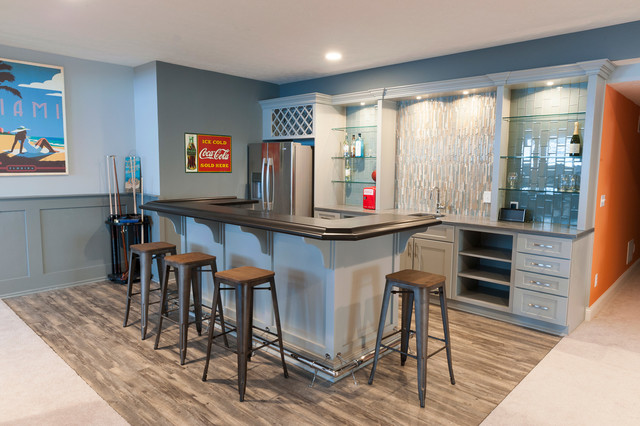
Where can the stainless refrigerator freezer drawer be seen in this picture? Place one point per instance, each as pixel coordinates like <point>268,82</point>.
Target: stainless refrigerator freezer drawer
<point>543,283</point>
<point>544,307</point>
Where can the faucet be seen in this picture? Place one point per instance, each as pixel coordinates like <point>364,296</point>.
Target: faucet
<point>438,205</point>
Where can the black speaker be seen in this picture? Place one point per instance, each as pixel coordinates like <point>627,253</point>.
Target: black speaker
<point>514,215</point>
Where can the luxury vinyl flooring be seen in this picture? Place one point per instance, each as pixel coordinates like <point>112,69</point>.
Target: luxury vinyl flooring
<point>83,325</point>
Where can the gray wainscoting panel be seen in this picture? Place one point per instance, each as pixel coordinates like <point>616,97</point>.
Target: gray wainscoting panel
<point>72,238</point>
<point>53,242</point>
<point>13,245</point>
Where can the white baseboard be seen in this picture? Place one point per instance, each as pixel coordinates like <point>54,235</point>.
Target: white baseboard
<point>592,311</point>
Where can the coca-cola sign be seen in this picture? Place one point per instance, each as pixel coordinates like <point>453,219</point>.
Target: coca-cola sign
<point>213,153</point>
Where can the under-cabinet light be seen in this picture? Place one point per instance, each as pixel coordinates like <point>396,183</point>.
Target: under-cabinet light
<point>549,83</point>
<point>465,92</point>
<point>361,103</point>
<point>418,97</point>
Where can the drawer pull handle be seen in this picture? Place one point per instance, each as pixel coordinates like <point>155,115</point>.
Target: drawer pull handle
<point>542,245</point>
<point>533,305</point>
<point>540,283</point>
<point>541,265</point>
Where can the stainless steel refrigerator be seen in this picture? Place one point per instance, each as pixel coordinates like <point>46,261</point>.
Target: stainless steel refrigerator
<point>281,177</point>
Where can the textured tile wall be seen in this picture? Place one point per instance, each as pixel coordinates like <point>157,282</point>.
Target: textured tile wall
<point>538,138</point>
<point>445,142</point>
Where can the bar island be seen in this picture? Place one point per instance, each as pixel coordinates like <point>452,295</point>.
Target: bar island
<point>330,274</point>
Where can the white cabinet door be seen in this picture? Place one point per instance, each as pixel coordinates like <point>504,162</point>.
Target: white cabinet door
<point>406,258</point>
<point>435,257</point>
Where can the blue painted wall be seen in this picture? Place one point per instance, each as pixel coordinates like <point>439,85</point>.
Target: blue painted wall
<point>192,100</point>
<point>614,43</point>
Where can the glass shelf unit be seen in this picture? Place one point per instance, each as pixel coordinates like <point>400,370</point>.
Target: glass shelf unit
<point>538,173</point>
<point>360,168</point>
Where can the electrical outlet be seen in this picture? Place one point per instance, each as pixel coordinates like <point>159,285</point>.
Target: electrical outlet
<point>595,284</point>
<point>486,197</point>
<point>602,197</point>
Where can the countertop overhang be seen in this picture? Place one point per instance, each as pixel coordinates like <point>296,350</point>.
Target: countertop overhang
<point>236,211</point>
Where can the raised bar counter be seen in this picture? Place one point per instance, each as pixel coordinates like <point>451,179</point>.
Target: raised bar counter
<point>244,213</point>
<point>330,274</point>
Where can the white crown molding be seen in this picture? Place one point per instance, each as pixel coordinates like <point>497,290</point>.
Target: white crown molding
<point>368,96</point>
<point>412,90</point>
<point>602,67</point>
<point>304,99</point>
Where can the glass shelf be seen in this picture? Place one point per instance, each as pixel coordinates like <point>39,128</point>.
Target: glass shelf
<point>548,117</point>
<point>547,191</point>
<point>566,157</point>
<point>372,183</point>
<point>344,129</point>
<point>355,158</point>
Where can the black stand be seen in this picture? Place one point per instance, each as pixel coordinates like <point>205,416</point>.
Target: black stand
<point>125,231</point>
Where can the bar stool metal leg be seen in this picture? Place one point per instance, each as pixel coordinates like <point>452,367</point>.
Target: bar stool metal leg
<point>407,313</point>
<point>422,325</point>
<point>163,302</point>
<point>447,336</point>
<point>184,281</point>
<point>216,301</point>
<point>145,281</point>
<point>383,315</point>
<point>129,289</point>
<point>276,312</point>
<point>244,299</point>
<point>197,298</point>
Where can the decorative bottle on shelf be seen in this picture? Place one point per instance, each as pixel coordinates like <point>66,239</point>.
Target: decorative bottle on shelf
<point>347,171</point>
<point>346,149</point>
<point>353,145</point>
<point>359,146</point>
<point>575,146</point>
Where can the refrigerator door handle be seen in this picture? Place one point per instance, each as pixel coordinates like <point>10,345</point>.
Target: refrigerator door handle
<point>263,172</point>
<point>270,179</point>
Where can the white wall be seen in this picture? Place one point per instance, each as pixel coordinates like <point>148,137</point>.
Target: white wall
<point>99,121</point>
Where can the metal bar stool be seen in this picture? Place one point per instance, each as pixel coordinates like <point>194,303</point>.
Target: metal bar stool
<point>145,253</point>
<point>415,288</point>
<point>187,268</point>
<point>244,280</point>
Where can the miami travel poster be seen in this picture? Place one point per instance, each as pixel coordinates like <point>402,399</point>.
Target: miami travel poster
<point>32,125</point>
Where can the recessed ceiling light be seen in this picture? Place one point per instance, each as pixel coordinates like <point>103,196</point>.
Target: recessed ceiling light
<point>549,83</point>
<point>418,97</point>
<point>333,56</point>
<point>465,92</point>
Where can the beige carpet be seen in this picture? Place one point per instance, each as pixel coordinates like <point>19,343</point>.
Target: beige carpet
<point>37,387</point>
<point>592,377</point>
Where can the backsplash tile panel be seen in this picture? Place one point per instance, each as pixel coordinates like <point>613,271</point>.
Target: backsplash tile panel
<point>445,142</point>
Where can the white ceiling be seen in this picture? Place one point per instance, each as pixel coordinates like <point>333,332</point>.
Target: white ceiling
<point>285,40</point>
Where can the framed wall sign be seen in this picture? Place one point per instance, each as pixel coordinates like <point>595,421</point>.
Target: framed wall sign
<point>32,122</point>
<point>207,153</point>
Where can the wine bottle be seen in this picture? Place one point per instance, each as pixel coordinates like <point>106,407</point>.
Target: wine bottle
<point>346,149</point>
<point>347,171</point>
<point>353,145</point>
<point>575,146</point>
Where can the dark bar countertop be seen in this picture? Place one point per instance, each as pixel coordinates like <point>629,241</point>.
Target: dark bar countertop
<point>241,212</point>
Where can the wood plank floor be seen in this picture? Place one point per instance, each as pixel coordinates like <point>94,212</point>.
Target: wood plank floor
<point>83,325</point>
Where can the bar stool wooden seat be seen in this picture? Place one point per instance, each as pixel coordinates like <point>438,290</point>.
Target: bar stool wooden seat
<point>187,268</point>
<point>415,287</point>
<point>144,254</point>
<point>245,280</point>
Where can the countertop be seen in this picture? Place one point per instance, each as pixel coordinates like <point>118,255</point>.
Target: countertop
<point>552,229</point>
<point>244,213</point>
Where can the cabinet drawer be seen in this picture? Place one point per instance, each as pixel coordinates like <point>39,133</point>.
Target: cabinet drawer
<point>320,214</point>
<point>547,246</point>
<point>543,264</point>
<point>543,283</point>
<point>438,232</point>
<point>544,307</point>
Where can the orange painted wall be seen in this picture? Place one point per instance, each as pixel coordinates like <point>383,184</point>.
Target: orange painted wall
<point>619,180</point>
